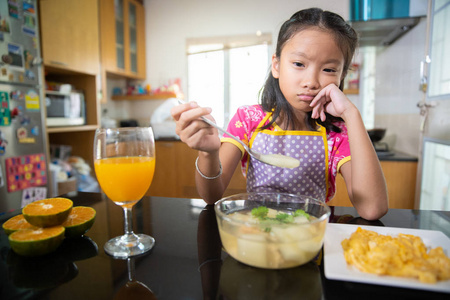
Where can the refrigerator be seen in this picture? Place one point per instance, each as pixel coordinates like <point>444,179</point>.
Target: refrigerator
<point>23,145</point>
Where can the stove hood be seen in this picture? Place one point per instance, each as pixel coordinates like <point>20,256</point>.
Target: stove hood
<point>382,22</point>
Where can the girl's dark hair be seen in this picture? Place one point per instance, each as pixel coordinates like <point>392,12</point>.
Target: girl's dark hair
<point>345,37</point>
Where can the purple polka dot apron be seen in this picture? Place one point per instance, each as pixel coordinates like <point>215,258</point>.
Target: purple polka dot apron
<point>310,178</point>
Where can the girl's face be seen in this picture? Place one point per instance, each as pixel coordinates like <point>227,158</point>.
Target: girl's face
<point>308,62</point>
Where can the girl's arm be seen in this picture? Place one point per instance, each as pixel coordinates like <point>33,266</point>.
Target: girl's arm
<point>200,136</point>
<point>212,190</point>
<point>363,176</point>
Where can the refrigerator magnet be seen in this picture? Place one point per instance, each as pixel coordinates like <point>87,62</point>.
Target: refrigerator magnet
<point>17,95</point>
<point>29,31</point>
<point>29,24</point>
<point>33,194</point>
<point>5,113</point>
<point>23,138</point>
<point>28,59</point>
<point>24,120</point>
<point>29,74</point>
<point>2,181</point>
<point>32,100</point>
<point>28,8</point>
<point>25,172</point>
<point>3,143</point>
<point>4,25</point>
<point>35,130</point>
<point>15,51</point>
<point>13,9</point>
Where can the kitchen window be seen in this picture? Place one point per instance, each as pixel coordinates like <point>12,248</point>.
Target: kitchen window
<point>225,73</point>
<point>439,84</point>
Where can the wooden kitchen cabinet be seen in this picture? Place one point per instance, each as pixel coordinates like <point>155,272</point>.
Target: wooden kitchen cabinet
<point>175,177</point>
<point>80,138</point>
<point>70,35</point>
<point>400,180</point>
<point>175,172</point>
<point>71,54</point>
<point>122,33</point>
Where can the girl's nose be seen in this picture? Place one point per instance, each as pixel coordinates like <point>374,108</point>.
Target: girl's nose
<point>310,80</point>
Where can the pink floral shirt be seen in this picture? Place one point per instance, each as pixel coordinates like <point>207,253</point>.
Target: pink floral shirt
<point>246,120</point>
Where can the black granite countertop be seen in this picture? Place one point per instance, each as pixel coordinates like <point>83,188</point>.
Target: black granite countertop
<point>395,156</point>
<point>382,155</point>
<point>188,260</point>
<point>167,139</point>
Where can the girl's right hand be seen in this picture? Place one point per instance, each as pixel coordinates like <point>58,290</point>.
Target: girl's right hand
<point>192,130</point>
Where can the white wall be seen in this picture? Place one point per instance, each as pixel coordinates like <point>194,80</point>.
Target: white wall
<point>397,90</point>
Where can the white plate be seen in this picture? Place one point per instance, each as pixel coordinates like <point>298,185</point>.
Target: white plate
<point>336,267</point>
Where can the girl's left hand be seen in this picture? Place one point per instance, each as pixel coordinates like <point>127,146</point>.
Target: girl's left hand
<point>330,100</point>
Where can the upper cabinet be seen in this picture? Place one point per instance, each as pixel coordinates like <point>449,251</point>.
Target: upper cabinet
<point>70,35</point>
<point>122,27</point>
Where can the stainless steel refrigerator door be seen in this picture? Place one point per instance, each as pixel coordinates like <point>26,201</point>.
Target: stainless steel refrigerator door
<point>20,55</point>
<point>23,138</point>
<point>22,123</point>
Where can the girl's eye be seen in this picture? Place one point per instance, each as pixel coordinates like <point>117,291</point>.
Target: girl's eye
<point>298,64</point>
<point>329,70</point>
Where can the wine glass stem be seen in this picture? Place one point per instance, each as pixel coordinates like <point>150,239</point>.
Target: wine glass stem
<point>128,216</point>
<point>131,269</point>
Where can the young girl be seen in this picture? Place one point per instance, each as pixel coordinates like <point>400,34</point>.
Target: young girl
<point>303,114</point>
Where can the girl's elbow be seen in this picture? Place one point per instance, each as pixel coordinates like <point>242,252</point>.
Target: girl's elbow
<point>373,213</point>
<point>210,200</point>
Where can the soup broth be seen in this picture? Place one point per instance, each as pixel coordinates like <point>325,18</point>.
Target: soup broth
<point>269,243</point>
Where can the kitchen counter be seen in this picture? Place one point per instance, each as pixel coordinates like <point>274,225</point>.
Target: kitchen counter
<point>395,156</point>
<point>167,139</point>
<point>187,261</point>
<point>173,155</point>
<point>382,155</point>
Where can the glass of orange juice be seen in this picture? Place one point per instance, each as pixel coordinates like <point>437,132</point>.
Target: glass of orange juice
<point>124,161</point>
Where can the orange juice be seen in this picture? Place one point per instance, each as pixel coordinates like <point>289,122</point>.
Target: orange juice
<point>125,179</point>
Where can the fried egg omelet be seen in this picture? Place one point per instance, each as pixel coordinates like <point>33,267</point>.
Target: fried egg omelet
<point>405,256</point>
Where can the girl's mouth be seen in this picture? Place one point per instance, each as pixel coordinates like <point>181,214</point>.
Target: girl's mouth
<point>305,97</point>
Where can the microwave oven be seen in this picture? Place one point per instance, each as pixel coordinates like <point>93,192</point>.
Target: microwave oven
<point>65,109</point>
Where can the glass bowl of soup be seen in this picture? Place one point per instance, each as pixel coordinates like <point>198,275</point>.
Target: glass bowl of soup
<point>272,230</point>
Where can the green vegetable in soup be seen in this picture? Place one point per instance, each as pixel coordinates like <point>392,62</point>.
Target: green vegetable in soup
<point>284,218</point>
<point>301,212</point>
<point>261,213</point>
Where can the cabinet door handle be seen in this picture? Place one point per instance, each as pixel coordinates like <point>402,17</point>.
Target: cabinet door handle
<point>54,62</point>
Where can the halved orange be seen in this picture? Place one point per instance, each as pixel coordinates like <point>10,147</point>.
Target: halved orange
<point>79,221</point>
<point>16,223</point>
<point>34,242</point>
<point>47,212</point>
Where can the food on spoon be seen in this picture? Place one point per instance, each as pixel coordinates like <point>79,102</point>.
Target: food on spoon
<point>34,242</point>
<point>405,256</point>
<point>280,160</point>
<point>272,239</point>
<point>79,221</point>
<point>47,212</point>
<point>16,223</point>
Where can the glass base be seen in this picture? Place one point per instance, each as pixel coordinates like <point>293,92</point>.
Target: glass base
<point>130,245</point>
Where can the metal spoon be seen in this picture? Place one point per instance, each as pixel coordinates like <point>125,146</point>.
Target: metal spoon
<point>277,160</point>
